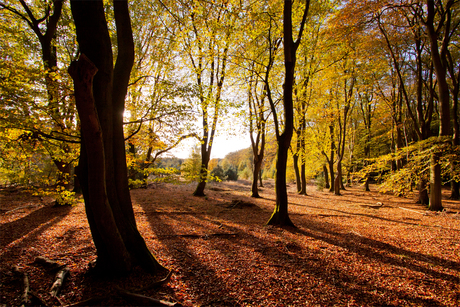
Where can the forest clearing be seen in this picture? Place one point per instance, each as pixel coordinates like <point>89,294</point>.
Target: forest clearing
<point>358,249</point>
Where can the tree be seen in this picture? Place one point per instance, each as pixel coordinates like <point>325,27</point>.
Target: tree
<point>100,91</point>
<point>280,214</point>
<point>158,113</point>
<point>348,87</point>
<point>257,118</point>
<point>311,61</point>
<point>439,57</point>
<point>260,54</point>
<point>50,120</point>
<point>207,31</point>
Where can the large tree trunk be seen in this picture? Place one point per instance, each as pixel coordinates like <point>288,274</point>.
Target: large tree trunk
<point>455,185</point>
<point>440,62</point>
<point>199,191</point>
<point>435,203</point>
<point>261,184</point>
<point>422,197</point>
<point>280,215</point>
<point>95,43</point>
<point>111,249</point>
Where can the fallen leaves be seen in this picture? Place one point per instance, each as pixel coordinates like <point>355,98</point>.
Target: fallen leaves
<point>341,253</point>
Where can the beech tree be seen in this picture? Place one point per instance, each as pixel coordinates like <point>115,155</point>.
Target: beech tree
<point>439,52</point>
<point>50,120</point>
<point>206,35</point>
<point>100,90</point>
<point>280,214</point>
<point>260,56</point>
<point>158,112</point>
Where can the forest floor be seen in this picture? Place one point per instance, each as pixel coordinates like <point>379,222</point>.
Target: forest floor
<point>358,249</point>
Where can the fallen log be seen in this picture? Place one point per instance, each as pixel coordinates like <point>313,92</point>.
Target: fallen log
<point>376,206</point>
<point>48,263</point>
<point>93,301</point>
<point>60,276</point>
<point>25,299</point>
<point>143,300</point>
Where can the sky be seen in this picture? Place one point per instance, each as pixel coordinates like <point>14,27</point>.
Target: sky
<point>223,144</point>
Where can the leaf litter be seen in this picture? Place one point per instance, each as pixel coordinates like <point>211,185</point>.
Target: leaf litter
<point>358,249</point>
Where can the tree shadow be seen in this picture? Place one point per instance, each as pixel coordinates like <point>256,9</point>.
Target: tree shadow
<point>284,257</point>
<point>39,219</point>
<point>368,215</point>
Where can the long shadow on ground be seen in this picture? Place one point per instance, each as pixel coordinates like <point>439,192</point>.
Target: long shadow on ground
<point>40,219</point>
<point>298,274</point>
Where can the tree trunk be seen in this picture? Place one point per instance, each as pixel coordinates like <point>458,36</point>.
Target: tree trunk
<point>111,250</point>
<point>256,176</point>
<point>111,187</point>
<point>298,183</point>
<point>338,178</point>
<point>440,62</point>
<point>331,173</point>
<point>423,197</point>
<point>261,184</point>
<point>435,183</point>
<point>199,191</point>
<point>303,178</point>
<point>331,160</point>
<point>280,214</point>
<point>326,176</point>
<point>455,185</point>
<point>366,184</point>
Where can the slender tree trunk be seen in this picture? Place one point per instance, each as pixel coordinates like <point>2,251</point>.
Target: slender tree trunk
<point>256,174</point>
<point>331,160</point>
<point>332,176</point>
<point>366,184</point>
<point>303,178</point>
<point>280,214</point>
<point>326,176</point>
<point>295,158</point>
<point>338,178</point>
